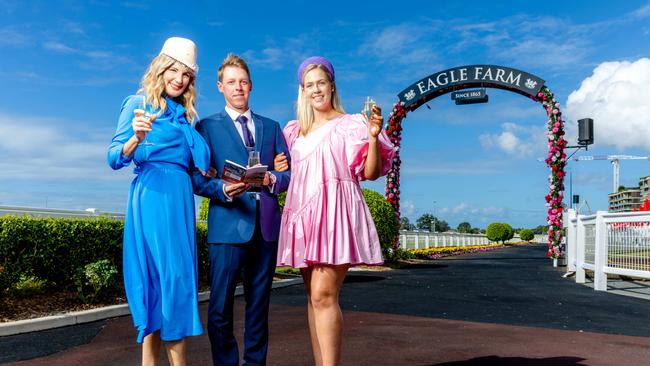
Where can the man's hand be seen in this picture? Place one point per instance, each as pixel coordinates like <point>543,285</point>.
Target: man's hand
<point>235,189</point>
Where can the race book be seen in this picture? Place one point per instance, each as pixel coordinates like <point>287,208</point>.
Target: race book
<point>235,173</point>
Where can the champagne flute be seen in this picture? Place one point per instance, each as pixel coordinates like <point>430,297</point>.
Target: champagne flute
<point>253,158</point>
<point>367,107</point>
<point>146,112</point>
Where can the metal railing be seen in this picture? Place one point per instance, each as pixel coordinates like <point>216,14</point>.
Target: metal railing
<point>608,243</point>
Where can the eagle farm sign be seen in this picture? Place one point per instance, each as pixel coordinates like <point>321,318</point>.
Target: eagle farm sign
<point>469,77</point>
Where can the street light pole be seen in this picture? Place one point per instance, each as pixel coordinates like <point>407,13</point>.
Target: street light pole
<point>434,216</point>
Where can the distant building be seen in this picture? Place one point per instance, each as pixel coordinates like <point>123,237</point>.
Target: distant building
<point>644,186</point>
<point>626,199</point>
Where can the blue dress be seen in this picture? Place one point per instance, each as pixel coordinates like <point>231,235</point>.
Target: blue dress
<point>159,247</point>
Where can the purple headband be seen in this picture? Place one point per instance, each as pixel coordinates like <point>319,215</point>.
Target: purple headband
<point>315,60</point>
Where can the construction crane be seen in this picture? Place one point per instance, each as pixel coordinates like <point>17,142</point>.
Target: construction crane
<point>614,159</point>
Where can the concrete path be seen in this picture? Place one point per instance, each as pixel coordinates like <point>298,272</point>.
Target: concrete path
<point>507,307</point>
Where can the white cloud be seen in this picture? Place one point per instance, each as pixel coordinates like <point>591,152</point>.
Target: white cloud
<point>59,47</point>
<point>406,43</point>
<point>642,12</point>
<point>52,150</point>
<point>470,210</point>
<point>269,57</point>
<point>9,36</point>
<point>407,208</point>
<point>617,97</point>
<point>509,140</point>
<point>419,168</point>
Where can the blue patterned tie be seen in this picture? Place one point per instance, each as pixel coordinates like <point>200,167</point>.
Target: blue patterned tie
<point>248,137</point>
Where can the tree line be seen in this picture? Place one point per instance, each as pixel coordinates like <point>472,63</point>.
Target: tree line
<point>431,223</point>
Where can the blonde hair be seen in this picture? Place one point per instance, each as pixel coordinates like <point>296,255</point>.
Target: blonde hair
<point>153,86</point>
<point>233,60</point>
<point>304,110</point>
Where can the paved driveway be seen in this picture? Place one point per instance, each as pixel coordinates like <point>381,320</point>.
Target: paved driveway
<point>507,307</point>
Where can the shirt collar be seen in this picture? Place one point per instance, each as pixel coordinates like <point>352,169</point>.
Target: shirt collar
<point>234,114</point>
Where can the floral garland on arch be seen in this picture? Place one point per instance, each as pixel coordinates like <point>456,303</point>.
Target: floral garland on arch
<point>394,132</point>
<point>556,160</point>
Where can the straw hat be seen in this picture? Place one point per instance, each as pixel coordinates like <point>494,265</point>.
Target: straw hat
<point>182,50</point>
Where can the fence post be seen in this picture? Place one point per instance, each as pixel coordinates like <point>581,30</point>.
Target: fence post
<point>600,258</point>
<point>426,241</point>
<point>402,241</point>
<point>435,240</point>
<point>580,250</point>
<point>417,241</point>
<point>571,238</point>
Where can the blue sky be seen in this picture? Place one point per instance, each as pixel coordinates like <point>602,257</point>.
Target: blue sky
<point>67,65</point>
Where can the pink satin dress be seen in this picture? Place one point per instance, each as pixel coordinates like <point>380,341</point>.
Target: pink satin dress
<point>325,218</point>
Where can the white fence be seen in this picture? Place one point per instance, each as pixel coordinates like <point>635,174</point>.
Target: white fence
<point>608,243</point>
<point>423,239</point>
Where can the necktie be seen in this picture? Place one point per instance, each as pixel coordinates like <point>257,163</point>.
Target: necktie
<point>248,136</point>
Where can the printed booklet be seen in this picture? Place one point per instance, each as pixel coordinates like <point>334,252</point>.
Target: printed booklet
<point>235,173</point>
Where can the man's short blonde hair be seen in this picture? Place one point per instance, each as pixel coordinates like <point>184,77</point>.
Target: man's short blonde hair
<point>233,60</point>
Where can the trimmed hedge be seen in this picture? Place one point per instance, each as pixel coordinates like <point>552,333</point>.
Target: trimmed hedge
<point>499,231</point>
<point>56,249</point>
<point>526,235</point>
<point>383,214</point>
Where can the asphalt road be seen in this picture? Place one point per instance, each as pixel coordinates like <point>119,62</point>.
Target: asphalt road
<point>506,307</point>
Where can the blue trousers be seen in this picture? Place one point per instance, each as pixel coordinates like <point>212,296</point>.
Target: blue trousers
<point>256,259</point>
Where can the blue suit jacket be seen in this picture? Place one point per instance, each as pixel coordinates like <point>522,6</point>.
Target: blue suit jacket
<point>234,222</point>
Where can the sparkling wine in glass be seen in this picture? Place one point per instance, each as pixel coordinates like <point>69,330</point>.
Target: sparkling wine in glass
<point>145,110</point>
<point>253,158</point>
<point>367,107</point>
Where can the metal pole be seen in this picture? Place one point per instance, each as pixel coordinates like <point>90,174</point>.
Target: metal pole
<point>434,216</point>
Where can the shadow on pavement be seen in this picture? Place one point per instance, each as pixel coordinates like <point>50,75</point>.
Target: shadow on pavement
<point>362,278</point>
<point>516,361</point>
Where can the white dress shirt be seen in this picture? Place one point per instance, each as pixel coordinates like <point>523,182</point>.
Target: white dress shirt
<point>251,127</point>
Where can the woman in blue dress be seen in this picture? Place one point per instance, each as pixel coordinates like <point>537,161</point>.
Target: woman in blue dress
<point>160,260</point>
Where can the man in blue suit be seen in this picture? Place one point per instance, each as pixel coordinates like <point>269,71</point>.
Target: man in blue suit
<point>242,226</point>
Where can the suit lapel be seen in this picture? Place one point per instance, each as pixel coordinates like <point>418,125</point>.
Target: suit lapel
<point>232,131</point>
<point>259,132</point>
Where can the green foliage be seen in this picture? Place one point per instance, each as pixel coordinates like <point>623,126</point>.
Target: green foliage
<point>405,224</point>
<point>282,197</point>
<point>53,249</point>
<point>510,232</point>
<point>526,234</point>
<point>464,227</point>
<point>427,220</point>
<point>498,231</point>
<point>384,217</point>
<point>287,270</point>
<point>96,280</point>
<point>391,255</point>
<point>28,285</point>
<point>203,209</point>
<point>541,229</point>
<point>202,252</point>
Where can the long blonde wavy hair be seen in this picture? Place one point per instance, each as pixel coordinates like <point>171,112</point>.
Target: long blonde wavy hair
<point>304,110</point>
<point>153,86</point>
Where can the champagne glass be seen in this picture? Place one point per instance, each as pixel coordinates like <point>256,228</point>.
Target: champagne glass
<point>367,107</point>
<point>253,158</point>
<point>145,110</point>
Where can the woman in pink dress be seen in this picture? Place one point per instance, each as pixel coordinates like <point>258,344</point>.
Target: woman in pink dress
<point>326,225</point>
